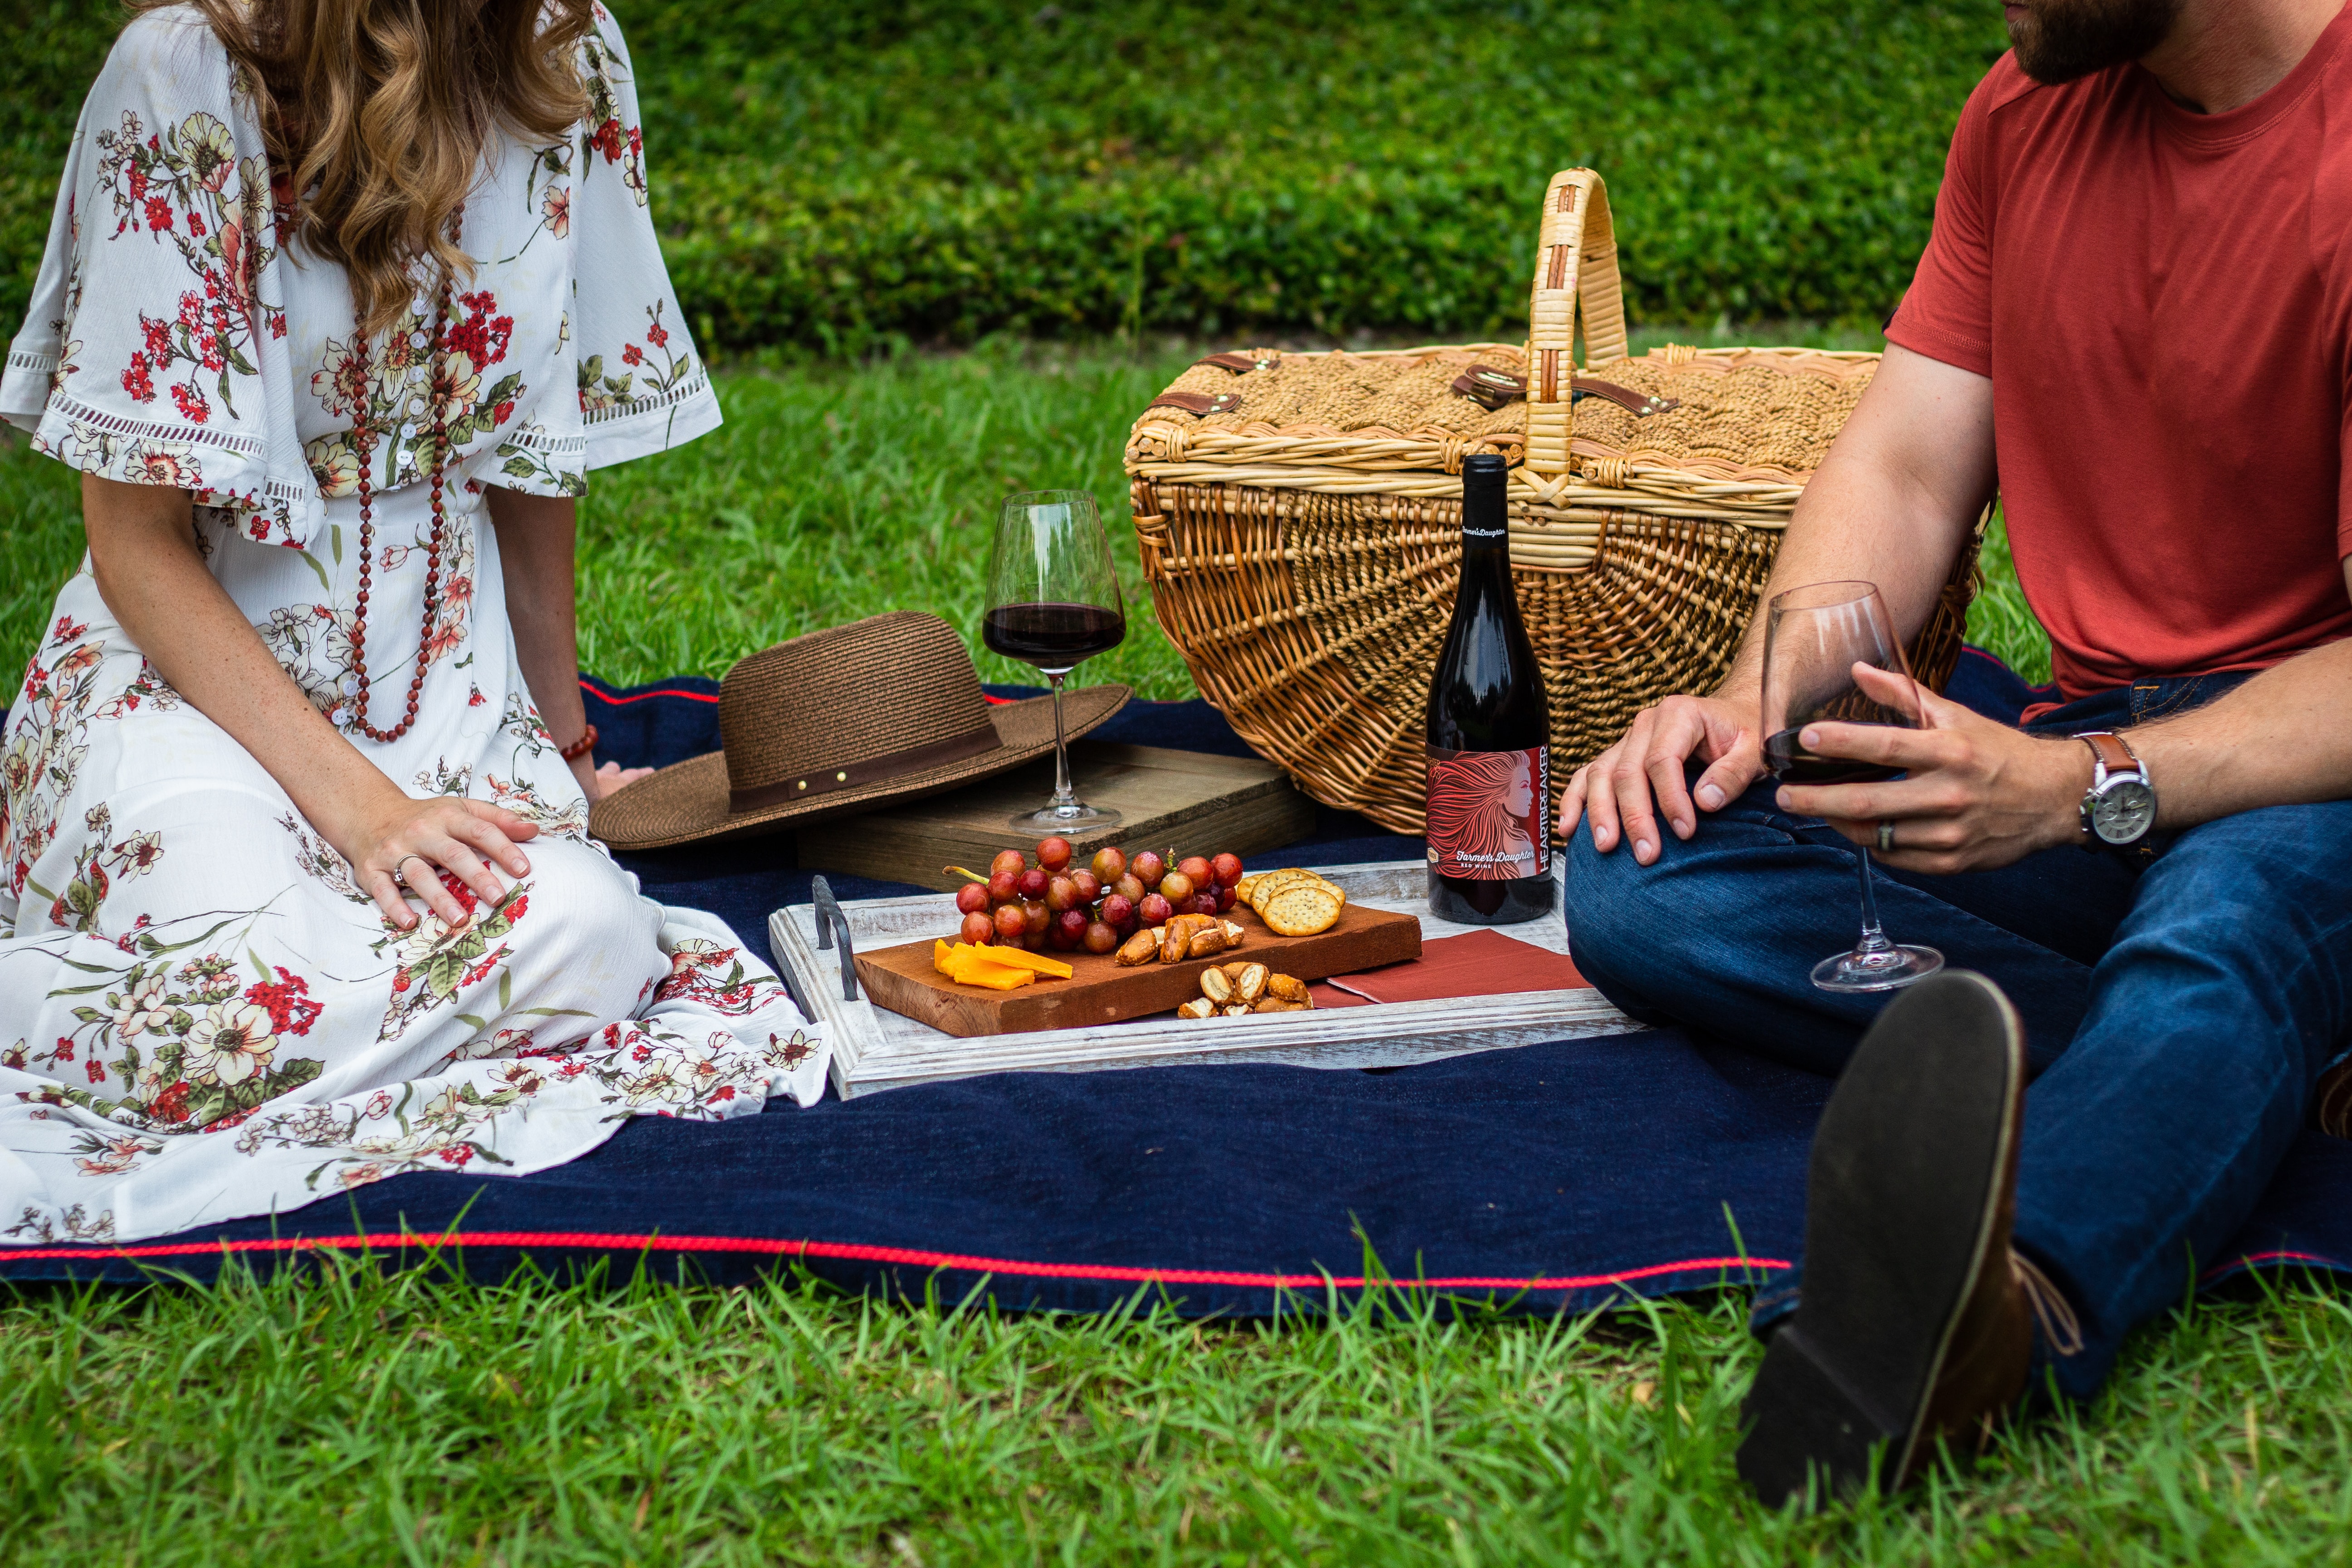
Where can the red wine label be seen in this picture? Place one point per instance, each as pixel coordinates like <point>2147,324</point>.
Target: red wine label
<point>1486,814</point>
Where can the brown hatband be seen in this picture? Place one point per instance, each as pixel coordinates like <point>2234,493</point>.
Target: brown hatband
<point>872,769</point>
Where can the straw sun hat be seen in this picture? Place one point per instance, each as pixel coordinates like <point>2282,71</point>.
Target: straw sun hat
<point>840,721</point>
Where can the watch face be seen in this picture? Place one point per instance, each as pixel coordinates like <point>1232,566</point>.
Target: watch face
<point>2123,811</point>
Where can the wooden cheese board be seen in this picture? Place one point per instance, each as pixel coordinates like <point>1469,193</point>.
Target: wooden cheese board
<point>1100,991</point>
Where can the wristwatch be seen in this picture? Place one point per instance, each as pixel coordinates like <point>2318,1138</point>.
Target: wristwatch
<point>2120,805</point>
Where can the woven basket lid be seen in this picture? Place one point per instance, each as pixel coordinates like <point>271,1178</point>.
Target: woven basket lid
<point>1730,414</point>
<point>840,721</point>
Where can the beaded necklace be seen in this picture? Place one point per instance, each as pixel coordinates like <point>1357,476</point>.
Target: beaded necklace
<point>363,435</point>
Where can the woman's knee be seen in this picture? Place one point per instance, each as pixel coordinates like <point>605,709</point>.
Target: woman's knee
<point>578,918</point>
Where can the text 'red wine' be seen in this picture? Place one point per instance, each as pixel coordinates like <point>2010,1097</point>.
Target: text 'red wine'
<point>1489,733</point>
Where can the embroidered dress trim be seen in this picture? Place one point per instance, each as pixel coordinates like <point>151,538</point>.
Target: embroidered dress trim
<point>532,440</point>
<point>81,413</point>
<point>40,365</point>
<point>696,386</point>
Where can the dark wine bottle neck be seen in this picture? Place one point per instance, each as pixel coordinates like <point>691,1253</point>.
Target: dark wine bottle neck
<point>1485,521</point>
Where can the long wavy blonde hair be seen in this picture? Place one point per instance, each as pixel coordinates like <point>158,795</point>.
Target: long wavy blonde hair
<point>376,112</point>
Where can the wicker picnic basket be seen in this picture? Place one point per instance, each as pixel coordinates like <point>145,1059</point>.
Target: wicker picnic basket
<point>1299,517</point>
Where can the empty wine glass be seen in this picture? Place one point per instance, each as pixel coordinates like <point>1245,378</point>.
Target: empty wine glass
<point>1813,637</point>
<point>1053,602</point>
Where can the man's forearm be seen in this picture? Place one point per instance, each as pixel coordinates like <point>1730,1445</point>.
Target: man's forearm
<point>2284,737</point>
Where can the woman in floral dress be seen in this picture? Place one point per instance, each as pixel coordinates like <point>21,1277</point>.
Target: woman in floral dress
<point>295,892</point>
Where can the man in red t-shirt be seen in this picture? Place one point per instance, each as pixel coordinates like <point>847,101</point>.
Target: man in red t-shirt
<point>2137,311</point>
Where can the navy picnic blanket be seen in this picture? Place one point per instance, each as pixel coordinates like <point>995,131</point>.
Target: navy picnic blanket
<point>1548,1178</point>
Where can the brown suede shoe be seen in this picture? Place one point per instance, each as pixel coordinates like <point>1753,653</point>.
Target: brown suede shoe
<point>1917,1321</point>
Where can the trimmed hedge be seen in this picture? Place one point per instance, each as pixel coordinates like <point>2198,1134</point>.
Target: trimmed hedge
<point>833,177</point>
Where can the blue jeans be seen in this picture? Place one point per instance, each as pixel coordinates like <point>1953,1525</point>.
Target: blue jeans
<point>2179,1002</point>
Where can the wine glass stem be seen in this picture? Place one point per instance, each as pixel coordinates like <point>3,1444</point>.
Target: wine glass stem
<point>1873,938</point>
<point>1062,794</point>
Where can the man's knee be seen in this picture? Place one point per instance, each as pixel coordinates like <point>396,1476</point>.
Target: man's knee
<point>2265,885</point>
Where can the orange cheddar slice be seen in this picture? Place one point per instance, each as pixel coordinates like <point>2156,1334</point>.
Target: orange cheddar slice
<point>967,966</point>
<point>1020,958</point>
<point>942,956</point>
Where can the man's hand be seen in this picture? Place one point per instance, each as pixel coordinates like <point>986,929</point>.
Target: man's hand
<point>1980,795</point>
<point>1616,789</point>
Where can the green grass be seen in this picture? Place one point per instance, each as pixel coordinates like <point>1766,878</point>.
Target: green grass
<point>363,1419</point>
<point>834,493</point>
<point>833,177</point>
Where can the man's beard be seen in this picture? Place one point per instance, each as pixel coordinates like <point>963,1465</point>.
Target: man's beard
<point>2058,40</point>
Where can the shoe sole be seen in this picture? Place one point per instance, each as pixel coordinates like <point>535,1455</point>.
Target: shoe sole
<point>1903,1194</point>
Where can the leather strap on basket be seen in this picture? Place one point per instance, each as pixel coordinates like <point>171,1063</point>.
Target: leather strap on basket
<point>1197,403</point>
<point>1576,274</point>
<point>1495,388</point>
<point>1241,364</point>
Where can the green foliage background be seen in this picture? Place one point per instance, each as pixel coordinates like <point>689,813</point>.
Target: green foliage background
<point>830,176</point>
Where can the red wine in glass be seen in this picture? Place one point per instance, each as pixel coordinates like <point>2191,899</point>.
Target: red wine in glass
<point>1792,764</point>
<point>1050,636</point>
<point>1053,602</point>
<point>1815,637</point>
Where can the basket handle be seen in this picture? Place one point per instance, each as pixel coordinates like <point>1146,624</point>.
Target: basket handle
<point>1576,265</point>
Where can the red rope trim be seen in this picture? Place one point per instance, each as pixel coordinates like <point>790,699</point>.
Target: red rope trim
<point>640,697</point>
<point>854,1252</point>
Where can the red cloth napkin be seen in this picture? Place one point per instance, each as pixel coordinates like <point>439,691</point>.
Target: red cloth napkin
<point>1483,963</point>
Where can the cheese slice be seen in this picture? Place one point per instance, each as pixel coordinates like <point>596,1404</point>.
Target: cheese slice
<point>1021,958</point>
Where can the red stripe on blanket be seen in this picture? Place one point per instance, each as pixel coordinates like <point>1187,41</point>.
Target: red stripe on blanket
<point>601,696</point>
<point>853,1252</point>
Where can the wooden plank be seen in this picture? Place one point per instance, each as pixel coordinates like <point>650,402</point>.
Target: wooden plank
<point>1191,801</point>
<point>903,979</point>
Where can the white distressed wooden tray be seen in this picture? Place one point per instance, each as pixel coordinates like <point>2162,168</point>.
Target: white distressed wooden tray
<point>873,1049</point>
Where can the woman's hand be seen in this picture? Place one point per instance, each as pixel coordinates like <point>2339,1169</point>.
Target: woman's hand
<point>447,833</point>
<point>598,782</point>
<point>1617,788</point>
<point>1979,795</point>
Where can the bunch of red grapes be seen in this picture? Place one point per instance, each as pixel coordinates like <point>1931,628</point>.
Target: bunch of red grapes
<point>1096,906</point>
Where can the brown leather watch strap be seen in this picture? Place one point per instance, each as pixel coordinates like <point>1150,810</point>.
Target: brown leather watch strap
<point>2113,754</point>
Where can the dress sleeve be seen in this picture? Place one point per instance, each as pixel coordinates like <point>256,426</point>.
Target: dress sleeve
<point>1948,312</point>
<point>152,352</point>
<point>642,387</point>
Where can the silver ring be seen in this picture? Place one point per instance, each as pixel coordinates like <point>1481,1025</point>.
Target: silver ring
<point>396,865</point>
<point>1886,837</point>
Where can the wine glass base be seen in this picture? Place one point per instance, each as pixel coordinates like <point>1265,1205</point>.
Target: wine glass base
<point>1888,969</point>
<point>1062,820</point>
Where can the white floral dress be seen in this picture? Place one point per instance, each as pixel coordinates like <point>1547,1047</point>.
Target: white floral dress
<point>200,1017</point>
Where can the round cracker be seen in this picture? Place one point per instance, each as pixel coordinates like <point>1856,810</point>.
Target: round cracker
<point>1302,910</point>
<point>1273,882</point>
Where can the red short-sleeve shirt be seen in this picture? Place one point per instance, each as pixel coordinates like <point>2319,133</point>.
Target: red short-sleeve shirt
<point>2163,301</point>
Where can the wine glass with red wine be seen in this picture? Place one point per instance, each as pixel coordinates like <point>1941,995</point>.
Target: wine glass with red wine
<point>1053,601</point>
<point>1813,637</point>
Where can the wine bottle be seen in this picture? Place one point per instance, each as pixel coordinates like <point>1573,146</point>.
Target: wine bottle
<point>1489,733</point>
